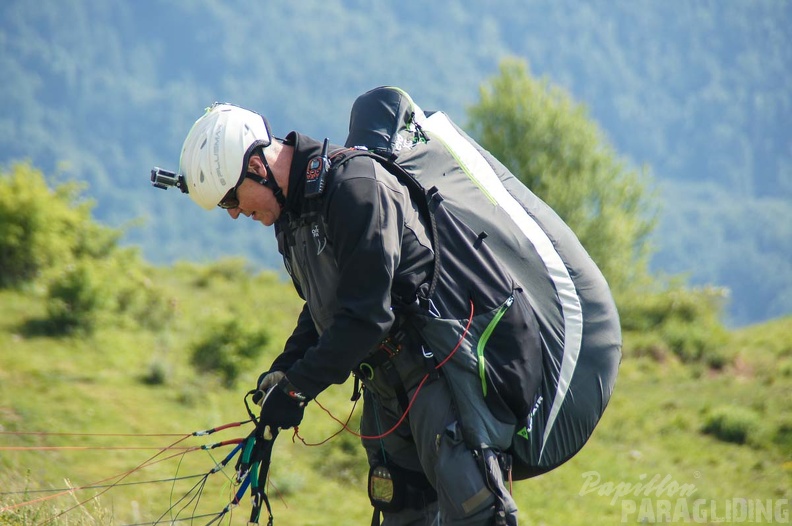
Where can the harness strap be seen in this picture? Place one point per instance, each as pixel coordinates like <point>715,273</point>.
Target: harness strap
<point>395,381</point>
<point>494,464</point>
<point>381,360</point>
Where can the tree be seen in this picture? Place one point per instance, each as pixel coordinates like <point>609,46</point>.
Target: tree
<point>551,145</point>
<point>560,154</point>
<point>43,227</point>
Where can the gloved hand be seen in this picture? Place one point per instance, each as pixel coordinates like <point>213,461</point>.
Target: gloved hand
<point>282,407</point>
<point>267,380</point>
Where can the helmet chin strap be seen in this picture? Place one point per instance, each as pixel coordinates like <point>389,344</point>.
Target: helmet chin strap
<point>269,181</point>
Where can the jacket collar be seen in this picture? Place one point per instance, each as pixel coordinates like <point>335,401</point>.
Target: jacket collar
<point>305,148</point>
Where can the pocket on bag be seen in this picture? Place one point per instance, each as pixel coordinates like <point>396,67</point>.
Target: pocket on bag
<point>511,357</point>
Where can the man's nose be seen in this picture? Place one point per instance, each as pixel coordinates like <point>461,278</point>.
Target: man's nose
<point>233,212</point>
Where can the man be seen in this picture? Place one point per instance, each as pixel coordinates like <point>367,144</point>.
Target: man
<point>357,250</point>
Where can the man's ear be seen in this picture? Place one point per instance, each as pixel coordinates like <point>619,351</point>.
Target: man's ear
<point>255,165</point>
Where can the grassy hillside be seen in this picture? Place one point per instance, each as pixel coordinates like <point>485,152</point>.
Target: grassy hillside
<point>714,434</point>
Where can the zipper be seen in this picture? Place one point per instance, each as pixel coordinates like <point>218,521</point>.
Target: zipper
<point>314,286</point>
<point>485,336</point>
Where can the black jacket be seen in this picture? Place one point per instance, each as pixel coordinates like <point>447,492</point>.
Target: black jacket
<point>351,253</point>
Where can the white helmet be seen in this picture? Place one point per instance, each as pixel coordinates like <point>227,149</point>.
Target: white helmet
<point>216,150</point>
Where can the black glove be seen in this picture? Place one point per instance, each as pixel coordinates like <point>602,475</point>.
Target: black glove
<point>282,408</point>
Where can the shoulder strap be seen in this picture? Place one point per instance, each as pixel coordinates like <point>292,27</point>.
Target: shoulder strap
<point>425,200</point>
<point>417,192</point>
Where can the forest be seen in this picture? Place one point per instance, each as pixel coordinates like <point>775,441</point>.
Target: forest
<point>696,94</point>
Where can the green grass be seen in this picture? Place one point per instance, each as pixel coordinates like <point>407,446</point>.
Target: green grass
<point>665,419</point>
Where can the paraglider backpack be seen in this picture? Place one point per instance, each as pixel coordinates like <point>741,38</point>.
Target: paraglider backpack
<point>542,339</point>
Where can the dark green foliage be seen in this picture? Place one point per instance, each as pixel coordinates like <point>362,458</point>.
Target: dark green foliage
<point>682,321</point>
<point>157,374</point>
<point>137,300</point>
<point>76,300</point>
<point>225,270</point>
<point>43,227</point>
<point>228,348</point>
<point>113,290</point>
<point>783,438</point>
<point>732,424</point>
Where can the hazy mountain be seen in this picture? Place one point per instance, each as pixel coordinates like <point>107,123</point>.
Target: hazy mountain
<point>698,91</point>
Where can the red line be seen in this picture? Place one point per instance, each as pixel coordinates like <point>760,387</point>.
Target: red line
<point>414,396</point>
<point>44,433</point>
<point>55,448</point>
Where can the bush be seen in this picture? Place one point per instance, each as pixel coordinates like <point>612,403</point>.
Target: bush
<point>732,424</point>
<point>137,300</point>
<point>158,374</point>
<point>228,349</point>
<point>114,290</point>
<point>222,270</point>
<point>783,438</point>
<point>684,321</point>
<point>76,299</point>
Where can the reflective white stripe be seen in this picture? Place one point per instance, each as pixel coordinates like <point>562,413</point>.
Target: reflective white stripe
<point>480,171</point>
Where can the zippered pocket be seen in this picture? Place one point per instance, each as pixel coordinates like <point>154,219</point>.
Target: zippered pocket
<point>485,336</point>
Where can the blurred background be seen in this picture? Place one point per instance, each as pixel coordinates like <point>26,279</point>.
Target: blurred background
<point>698,94</point>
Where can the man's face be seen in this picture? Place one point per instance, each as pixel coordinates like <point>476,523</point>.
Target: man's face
<point>256,201</point>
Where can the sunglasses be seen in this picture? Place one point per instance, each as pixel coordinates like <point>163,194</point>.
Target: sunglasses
<point>230,200</point>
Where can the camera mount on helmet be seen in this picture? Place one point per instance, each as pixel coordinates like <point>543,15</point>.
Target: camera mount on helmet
<point>165,179</point>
